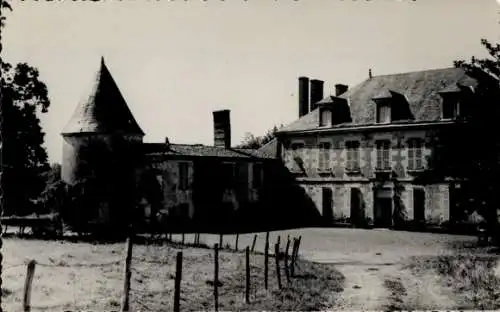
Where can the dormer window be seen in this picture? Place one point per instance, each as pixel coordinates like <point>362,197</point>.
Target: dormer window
<point>451,107</point>
<point>456,101</point>
<point>333,111</point>
<point>326,117</point>
<point>384,112</point>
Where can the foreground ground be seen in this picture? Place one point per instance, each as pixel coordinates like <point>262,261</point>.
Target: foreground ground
<point>353,270</point>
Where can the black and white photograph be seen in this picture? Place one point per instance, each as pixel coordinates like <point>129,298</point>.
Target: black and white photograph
<point>249,155</point>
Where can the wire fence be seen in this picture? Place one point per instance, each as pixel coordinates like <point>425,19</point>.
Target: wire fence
<point>153,278</point>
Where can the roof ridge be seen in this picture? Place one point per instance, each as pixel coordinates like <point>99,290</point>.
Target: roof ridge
<point>416,72</point>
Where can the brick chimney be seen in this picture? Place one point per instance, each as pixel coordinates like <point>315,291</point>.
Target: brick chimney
<point>316,92</point>
<point>222,128</point>
<point>340,89</point>
<point>303,96</point>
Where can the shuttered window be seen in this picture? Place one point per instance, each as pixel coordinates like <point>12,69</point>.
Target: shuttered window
<point>324,156</point>
<point>415,155</point>
<point>383,155</point>
<point>352,150</point>
<point>297,155</point>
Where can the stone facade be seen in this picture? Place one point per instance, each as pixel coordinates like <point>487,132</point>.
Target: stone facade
<point>341,181</point>
<point>178,187</point>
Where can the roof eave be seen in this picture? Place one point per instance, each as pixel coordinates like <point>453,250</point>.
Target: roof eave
<point>370,127</point>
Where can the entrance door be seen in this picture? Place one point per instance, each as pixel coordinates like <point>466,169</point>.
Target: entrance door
<point>357,207</point>
<point>419,205</point>
<point>327,205</point>
<point>383,208</point>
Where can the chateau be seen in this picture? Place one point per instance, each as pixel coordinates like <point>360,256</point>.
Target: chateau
<point>358,152</point>
<point>350,157</point>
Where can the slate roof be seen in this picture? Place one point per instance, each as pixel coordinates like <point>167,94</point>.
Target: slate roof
<point>421,90</point>
<point>103,109</point>
<point>269,149</point>
<point>197,150</point>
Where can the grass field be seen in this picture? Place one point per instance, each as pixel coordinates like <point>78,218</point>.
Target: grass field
<point>352,270</point>
<point>82,276</point>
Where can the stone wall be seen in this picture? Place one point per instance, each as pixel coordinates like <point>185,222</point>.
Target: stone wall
<point>340,181</point>
<point>173,196</point>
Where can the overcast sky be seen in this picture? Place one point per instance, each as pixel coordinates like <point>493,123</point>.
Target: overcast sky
<point>177,61</point>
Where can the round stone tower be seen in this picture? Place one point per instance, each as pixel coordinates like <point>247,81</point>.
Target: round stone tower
<point>101,152</point>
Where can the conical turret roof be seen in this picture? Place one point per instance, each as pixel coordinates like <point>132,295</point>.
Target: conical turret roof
<point>104,110</point>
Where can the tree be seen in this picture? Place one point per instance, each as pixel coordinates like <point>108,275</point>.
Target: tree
<point>255,142</point>
<point>24,157</point>
<point>483,152</point>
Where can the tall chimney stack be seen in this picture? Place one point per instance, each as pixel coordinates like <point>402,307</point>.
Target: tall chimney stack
<point>316,92</point>
<point>222,128</point>
<point>340,89</point>
<point>303,96</point>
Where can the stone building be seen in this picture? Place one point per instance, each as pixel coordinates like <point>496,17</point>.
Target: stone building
<point>357,153</point>
<point>212,187</point>
<point>352,157</point>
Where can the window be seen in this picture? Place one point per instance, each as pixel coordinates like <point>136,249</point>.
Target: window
<point>352,155</point>
<point>383,155</point>
<point>183,176</point>
<point>326,117</point>
<point>241,174</point>
<point>383,113</point>
<point>450,107</point>
<point>227,174</point>
<point>257,175</point>
<point>297,150</point>
<point>324,156</point>
<point>415,154</point>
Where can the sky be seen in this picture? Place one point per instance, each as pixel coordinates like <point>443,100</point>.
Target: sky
<point>175,62</point>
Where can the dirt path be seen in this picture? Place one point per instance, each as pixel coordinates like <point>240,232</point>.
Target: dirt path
<point>363,289</point>
<point>389,286</point>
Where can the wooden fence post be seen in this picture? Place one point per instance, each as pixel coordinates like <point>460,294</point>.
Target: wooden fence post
<point>298,246</point>
<point>247,292</point>
<point>221,241</point>
<point>278,240</point>
<point>236,243</point>
<point>27,286</point>
<point>178,278</point>
<point>266,262</point>
<point>287,272</point>
<point>292,262</point>
<point>216,277</point>
<point>183,237</point>
<point>128,274</point>
<point>254,241</point>
<point>277,258</point>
